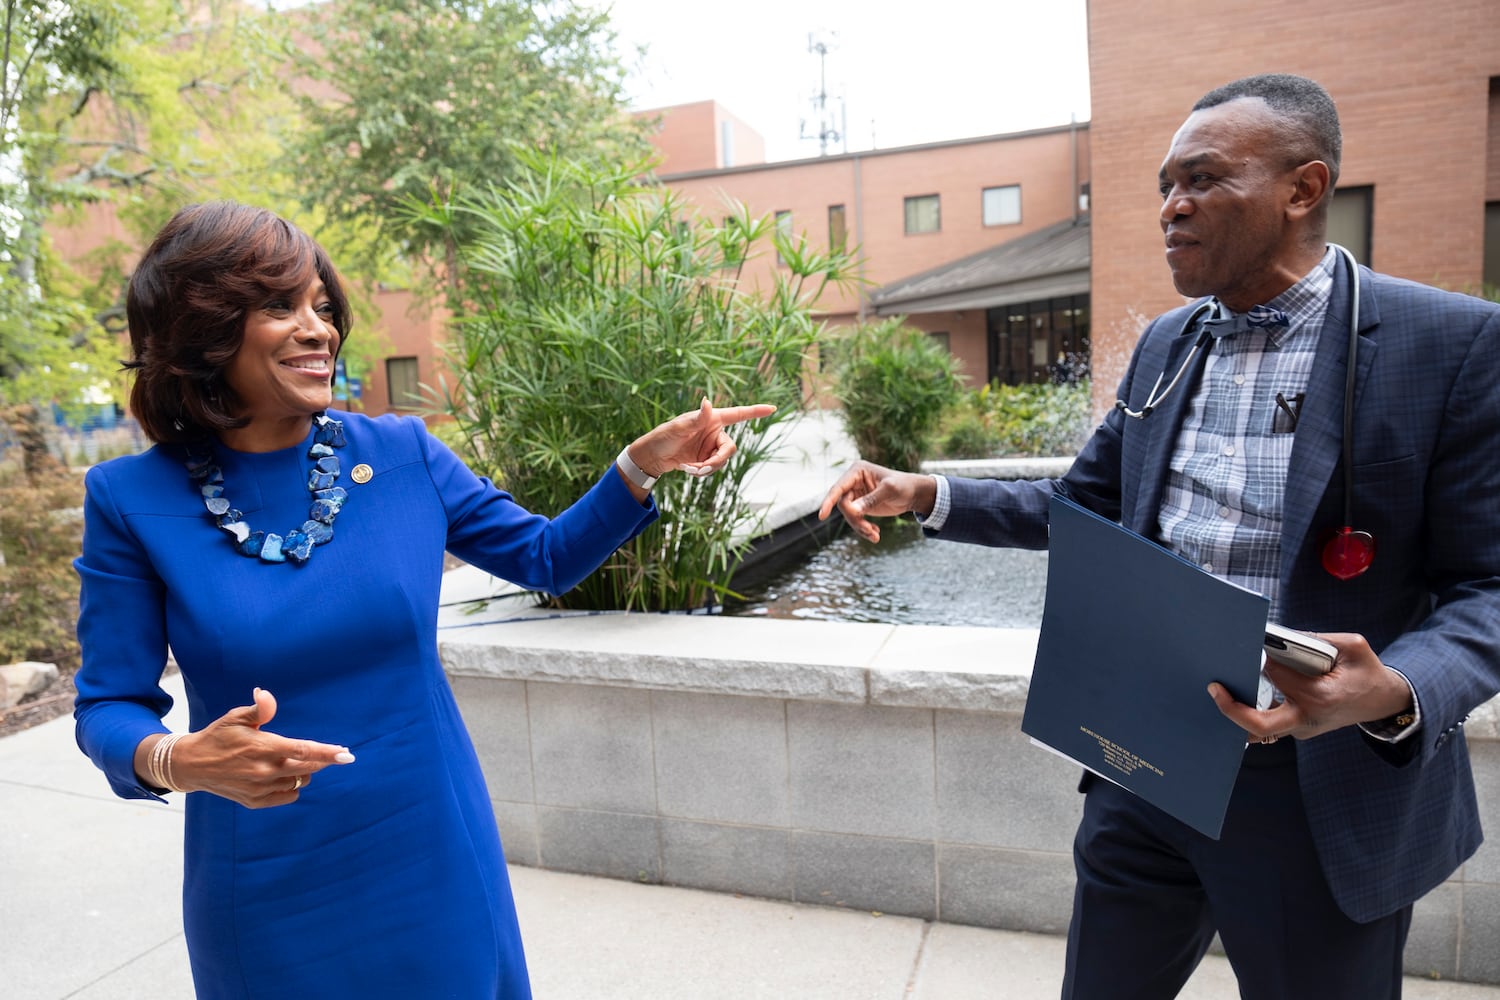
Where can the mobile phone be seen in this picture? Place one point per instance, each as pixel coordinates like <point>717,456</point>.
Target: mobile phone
<point>1304,653</point>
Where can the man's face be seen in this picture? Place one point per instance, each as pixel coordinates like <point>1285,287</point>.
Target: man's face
<point>1225,190</point>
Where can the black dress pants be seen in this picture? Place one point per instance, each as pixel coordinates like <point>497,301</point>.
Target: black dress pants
<point>1151,893</point>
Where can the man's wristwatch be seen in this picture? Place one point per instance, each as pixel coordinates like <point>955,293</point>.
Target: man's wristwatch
<point>634,473</point>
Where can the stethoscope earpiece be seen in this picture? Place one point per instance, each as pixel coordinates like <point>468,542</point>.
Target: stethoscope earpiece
<point>1348,553</point>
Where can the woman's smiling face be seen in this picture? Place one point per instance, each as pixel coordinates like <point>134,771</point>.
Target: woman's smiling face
<point>283,370</point>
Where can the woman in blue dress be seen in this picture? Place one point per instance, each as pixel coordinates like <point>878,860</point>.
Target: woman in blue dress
<point>340,840</point>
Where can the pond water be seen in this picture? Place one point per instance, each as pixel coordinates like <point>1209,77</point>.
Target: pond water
<point>905,580</point>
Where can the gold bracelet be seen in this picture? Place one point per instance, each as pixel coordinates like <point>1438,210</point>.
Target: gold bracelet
<point>159,764</point>
<point>171,784</point>
<point>153,764</point>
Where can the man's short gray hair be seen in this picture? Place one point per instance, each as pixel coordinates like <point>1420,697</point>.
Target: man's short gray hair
<point>1312,119</point>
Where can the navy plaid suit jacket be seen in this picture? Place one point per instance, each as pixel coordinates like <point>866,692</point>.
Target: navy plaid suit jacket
<point>1389,822</point>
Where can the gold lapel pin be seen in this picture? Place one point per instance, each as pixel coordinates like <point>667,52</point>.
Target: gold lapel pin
<point>361,473</point>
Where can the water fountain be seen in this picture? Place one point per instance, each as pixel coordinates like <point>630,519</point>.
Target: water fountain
<point>905,580</point>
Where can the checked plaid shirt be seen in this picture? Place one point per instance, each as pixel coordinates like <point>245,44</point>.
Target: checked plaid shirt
<point>1222,506</point>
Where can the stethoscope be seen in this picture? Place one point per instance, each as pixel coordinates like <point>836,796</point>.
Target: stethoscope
<point>1348,552</point>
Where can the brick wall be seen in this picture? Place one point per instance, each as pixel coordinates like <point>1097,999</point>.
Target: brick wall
<point>685,137</point>
<point>690,137</point>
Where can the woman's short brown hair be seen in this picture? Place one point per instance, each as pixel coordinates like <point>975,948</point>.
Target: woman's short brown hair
<point>187,302</point>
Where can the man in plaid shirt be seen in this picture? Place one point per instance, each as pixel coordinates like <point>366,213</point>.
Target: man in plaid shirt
<point>1228,445</point>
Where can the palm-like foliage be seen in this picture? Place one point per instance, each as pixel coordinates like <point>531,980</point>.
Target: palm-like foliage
<point>592,309</point>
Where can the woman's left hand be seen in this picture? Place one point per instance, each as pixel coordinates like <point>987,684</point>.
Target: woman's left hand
<point>693,442</point>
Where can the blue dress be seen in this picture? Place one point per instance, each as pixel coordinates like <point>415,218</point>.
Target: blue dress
<point>386,876</point>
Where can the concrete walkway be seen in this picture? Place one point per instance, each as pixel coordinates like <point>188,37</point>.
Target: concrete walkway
<point>90,884</point>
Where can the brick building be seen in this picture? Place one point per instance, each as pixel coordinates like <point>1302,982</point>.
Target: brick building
<point>702,135</point>
<point>927,220</point>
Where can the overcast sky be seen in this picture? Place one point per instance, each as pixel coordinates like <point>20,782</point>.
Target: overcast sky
<point>897,75</point>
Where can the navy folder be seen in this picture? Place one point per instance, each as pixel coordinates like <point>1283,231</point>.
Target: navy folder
<point>1131,636</point>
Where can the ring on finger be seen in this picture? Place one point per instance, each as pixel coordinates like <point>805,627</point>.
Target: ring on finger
<point>296,782</point>
<point>1268,740</point>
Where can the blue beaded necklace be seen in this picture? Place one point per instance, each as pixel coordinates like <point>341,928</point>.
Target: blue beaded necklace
<point>297,545</point>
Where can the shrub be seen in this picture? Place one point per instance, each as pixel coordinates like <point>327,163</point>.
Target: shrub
<point>41,531</point>
<point>590,309</point>
<point>1020,420</point>
<point>895,384</point>
<point>968,435</point>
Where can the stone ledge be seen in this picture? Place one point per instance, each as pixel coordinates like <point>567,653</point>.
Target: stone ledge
<point>906,666</point>
<point>706,654</point>
<point>944,666</point>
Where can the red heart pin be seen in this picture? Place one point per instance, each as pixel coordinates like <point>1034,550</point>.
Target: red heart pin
<point>1348,553</point>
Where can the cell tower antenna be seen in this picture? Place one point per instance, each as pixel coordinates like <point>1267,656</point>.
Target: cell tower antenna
<point>820,43</point>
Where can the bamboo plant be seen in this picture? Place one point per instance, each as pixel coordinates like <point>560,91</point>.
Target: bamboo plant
<point>590,307</point>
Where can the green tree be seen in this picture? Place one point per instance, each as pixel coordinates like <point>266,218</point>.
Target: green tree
<point>421,99</point>
<point>140,104</point>
<point>53,58</point>
<point>595,308</point>
<point>144,105</point>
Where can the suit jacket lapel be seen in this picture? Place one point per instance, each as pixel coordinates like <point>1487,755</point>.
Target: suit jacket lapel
<point>1317,450</point>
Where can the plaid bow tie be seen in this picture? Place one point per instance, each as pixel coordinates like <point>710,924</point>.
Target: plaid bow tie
<point>1228,323</point>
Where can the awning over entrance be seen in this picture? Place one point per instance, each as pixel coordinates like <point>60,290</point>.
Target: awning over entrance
<point>1045,264</point>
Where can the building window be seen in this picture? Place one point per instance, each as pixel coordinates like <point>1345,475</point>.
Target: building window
<point>941,338</point>
<point>1002,205</point>
<point>1041,341</point>
<point>923,214</point>
<point>1492,247</point>
<point>783,231</point>
<point>401,382</point>
<point>838,229</point>
<point>726,144</point>
<point>1349,220</point>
